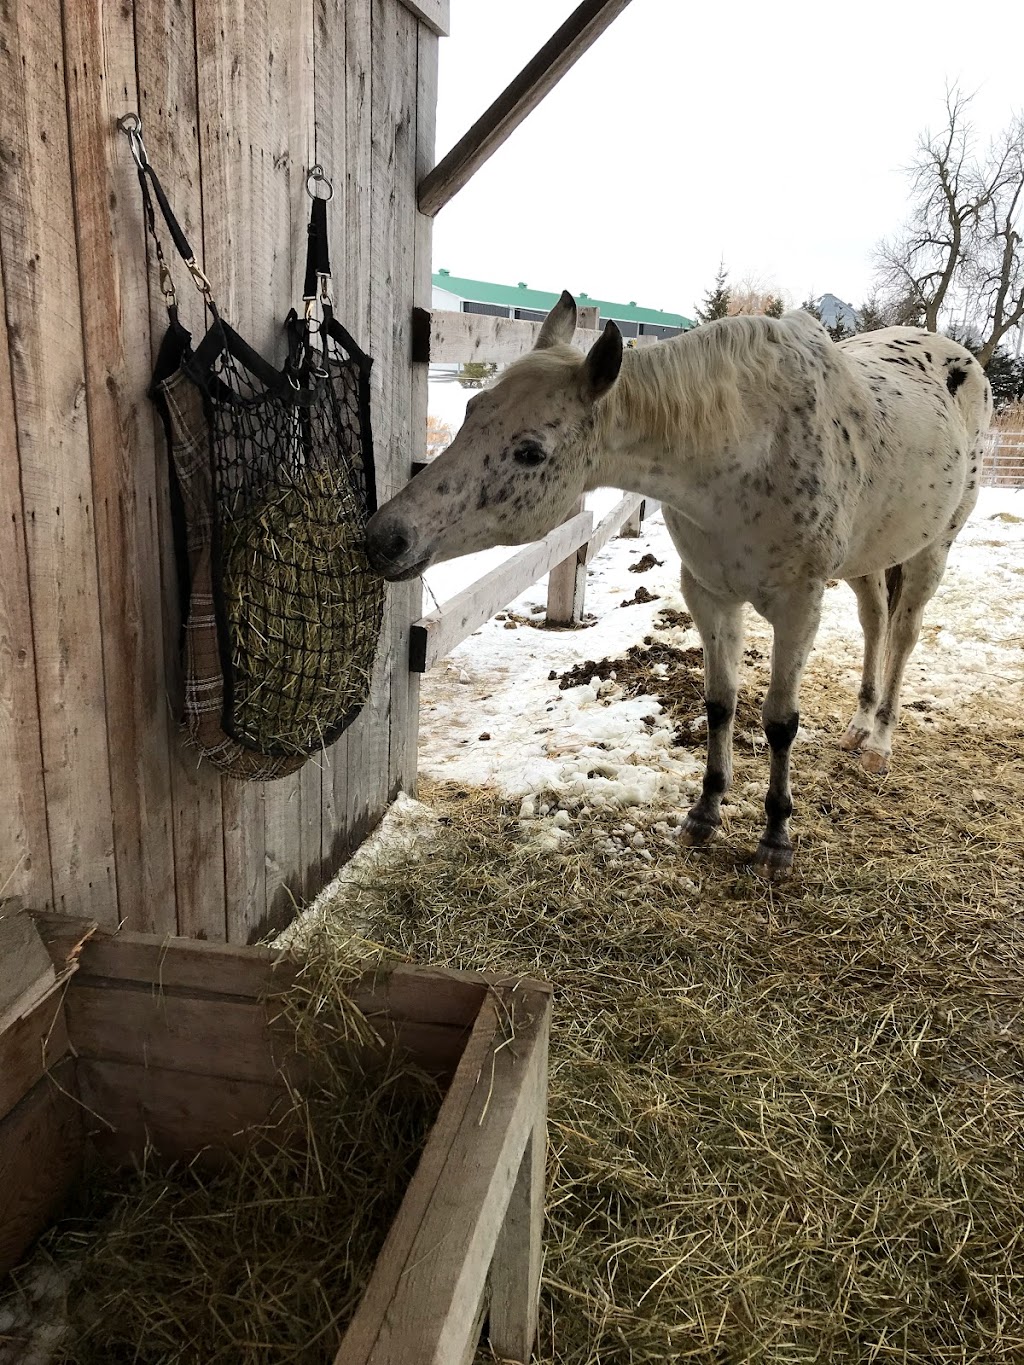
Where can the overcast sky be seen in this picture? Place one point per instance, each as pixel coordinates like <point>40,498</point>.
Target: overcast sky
<point>770,135</point>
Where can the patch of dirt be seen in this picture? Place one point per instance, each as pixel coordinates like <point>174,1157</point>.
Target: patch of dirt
<point>670,619</point>
<point>647,562</point>
<point>1007,517</point>
<point>676,677</point>
<point>640,597</point>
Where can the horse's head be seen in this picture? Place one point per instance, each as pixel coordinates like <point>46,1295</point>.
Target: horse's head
<point>518,464</point>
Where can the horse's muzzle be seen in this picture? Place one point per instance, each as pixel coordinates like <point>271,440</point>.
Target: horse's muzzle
<point>393,549</point>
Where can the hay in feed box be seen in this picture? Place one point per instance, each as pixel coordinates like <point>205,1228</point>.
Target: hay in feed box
<point>263,1259</point>
<point>303,611</point>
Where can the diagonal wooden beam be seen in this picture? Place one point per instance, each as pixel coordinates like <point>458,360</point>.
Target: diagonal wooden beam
<point>540,74</point>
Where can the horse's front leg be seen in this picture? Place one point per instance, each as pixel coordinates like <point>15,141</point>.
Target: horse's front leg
<point>720,624</point>
<point>794,616</point>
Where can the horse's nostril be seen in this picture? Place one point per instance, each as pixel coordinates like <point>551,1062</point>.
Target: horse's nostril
<point>386,545</point>
<point>394,545</point>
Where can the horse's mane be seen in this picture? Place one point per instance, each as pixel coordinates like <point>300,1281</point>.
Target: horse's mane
<point>707,383</point>
<point>704,384</point>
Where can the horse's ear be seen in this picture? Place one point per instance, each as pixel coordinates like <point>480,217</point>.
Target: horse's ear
<point>559,324</point>
<point>603,362</point>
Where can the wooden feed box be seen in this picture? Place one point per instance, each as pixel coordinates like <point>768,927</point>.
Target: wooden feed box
<point>172,1042</point>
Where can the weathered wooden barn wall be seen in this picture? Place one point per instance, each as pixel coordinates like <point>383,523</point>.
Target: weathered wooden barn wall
<point>104,811</point>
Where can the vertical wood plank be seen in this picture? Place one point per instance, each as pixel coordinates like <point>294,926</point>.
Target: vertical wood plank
<point>393,179</point>
<point>331,106</point>
<point>231,42</point>
<point>279,128</point>
<point>165,41</point>
<point>37,240</point>
<point>99,54</point>
<point>24,845</point>
<point>519,1251</point>
<point>426,109</point>
<point>300,111</point>
<point>359,760</point>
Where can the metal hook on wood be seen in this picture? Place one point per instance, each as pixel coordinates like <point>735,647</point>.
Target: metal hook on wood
<point>131,125</point>
<point>317,176</point>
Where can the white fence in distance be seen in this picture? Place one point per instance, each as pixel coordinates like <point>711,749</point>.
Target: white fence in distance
<point>1002,464</point>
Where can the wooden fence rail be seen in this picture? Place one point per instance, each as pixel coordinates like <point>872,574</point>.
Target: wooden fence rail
<point>574,543</point>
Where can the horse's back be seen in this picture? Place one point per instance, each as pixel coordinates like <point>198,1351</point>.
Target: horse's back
<point>931,404</point>
<point>913,364</point>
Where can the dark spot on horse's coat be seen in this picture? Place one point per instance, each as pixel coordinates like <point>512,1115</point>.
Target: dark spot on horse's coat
<point>928,357</point>
<point>954,379</point>
<point>846,434</point>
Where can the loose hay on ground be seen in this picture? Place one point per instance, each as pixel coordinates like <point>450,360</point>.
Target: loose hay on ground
<point>787,1123</point>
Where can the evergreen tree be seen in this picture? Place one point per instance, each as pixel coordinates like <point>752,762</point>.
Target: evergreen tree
<point>871,315</point>
<point>474,374</point>
<point>774,307</point>
<point>716,302</point>
<point>809,306</point>
<point>839,330</point>
<point>1006,376</point>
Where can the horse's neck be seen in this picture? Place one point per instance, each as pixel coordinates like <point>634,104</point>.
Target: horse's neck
<point>634,450</point>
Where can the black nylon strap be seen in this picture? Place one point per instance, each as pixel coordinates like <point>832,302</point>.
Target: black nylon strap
<point>318,257</point>
<point>173,226</point>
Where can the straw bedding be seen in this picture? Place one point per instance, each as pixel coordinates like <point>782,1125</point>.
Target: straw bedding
<point>786,1122</point>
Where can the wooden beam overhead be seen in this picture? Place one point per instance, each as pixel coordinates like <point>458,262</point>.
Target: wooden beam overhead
<point>541,74</point>
<point>433,13</point>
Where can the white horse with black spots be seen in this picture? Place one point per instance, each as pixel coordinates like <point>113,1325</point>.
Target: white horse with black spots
<point>781,459</point>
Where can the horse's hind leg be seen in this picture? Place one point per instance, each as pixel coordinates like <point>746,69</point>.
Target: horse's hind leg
<point>911,586</point>
<point>871,608</point>
<point>720,624</point>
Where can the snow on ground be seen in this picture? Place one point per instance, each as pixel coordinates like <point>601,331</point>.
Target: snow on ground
<point>491,714</point>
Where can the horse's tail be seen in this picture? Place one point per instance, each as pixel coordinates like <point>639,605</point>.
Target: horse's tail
<point>894,587</point>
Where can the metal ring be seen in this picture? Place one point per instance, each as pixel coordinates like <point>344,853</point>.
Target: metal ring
<point>130,123</point>
<point>317,176</point>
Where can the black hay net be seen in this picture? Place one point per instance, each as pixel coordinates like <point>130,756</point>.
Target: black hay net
<point>299,612</point>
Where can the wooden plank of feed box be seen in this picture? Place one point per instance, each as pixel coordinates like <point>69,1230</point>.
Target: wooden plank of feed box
<point>131,1107</point>
<point>209,1037</point>
<point>26,970</point>
<point>30,1045</point>
<point>423,1299</point>
<point>40,1155</point>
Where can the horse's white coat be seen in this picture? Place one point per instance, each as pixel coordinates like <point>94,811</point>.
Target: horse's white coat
<point>781,459</point>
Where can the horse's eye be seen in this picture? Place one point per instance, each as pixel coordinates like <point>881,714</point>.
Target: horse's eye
<point>530,452</point>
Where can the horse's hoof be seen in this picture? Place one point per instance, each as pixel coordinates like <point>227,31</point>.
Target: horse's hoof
<point>773,863</point>
<point>875,762</point>
<point>853,739</point>
<point>695,830</point>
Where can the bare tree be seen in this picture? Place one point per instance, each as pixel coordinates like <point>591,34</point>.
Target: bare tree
<point>753,295</point>
<point>959,254</point>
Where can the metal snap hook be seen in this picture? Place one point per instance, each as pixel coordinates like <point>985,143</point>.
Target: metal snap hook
<point>317,176</point>
<point>131,125</point>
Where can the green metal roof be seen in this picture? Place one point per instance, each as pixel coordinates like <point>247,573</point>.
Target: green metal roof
<point>519,296</point>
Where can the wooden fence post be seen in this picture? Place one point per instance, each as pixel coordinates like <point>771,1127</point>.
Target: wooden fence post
<point>567,586</point>
<point>567,582</point>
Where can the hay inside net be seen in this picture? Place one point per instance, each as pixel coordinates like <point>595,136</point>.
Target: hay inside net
<point>303,611</point>
<point>264,1259</point>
